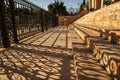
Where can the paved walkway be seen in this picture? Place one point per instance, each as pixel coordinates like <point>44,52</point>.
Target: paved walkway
<point>49,56</point>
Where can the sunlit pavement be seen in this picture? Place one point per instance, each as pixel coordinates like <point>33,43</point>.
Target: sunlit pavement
<point>88,67</point>
<point>49,56</point>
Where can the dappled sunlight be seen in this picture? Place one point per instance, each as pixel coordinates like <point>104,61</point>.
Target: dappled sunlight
<point>61,37</point>
<point>23,63</point>
<point>88,67</point>
<point>36,44</point>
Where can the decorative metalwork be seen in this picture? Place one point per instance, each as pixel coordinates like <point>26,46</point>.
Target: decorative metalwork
<point>22,19</point>
<point>1,44</point>
<point>27,19</point>
<point>8,19</point>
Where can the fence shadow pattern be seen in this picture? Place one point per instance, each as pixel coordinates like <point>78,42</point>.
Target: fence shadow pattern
<point>88,67</point>
<point>35,63</point>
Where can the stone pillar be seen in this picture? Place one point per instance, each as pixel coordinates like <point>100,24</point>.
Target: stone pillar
<point>96,4</point>
<point>93,3</point>
<point>99,4</point>
<point>102,3</point>
<point>90,4</point>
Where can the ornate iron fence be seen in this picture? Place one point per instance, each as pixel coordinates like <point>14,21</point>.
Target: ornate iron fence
<point>20,19</point>
<point>0,33</point>
<point>27,19</point>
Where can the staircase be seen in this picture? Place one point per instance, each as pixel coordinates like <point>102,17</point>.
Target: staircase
<point>100,50</point>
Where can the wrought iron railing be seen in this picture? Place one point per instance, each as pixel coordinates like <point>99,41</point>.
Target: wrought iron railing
<point>20,19</point>
<point>27,18</point>
<point>1,45</point>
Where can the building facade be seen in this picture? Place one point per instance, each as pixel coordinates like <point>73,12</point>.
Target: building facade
<point>97,4</point>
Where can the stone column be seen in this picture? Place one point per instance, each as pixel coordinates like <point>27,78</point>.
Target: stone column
<point>90,4</point>
<point>101,3</point>
<point>93,3</point>
<point>95,6</point>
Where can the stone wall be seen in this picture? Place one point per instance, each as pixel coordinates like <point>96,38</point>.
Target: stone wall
<point>105,18</point>
<point>66,20</point>
<point>62,20</point>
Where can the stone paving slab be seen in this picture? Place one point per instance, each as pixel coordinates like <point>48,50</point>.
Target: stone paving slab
<point>25,62</point>
<point>43,38</point>
<point>62,37</point>
<point>62,41</point>
<point>48,56</point>
<point>52,39</point>
<point>75,38</point>
<point>39,58</point>
<point>33,38</point>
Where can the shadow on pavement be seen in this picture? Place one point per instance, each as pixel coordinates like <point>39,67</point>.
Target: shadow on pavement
<point>24,62</point>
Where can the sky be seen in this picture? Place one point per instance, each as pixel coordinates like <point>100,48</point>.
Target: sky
<point>68,3</point>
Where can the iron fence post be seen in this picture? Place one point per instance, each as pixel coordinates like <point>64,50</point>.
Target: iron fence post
<point>4,29</point>
<point>41,14</point>
<point>13,21</point>
<point>46,20</point>
<point>56,21</point>
<point>53,20</point>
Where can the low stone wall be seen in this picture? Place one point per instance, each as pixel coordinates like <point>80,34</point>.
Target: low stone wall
<point>105,18</point>
<point>62,20</point>
<point>66,20</point>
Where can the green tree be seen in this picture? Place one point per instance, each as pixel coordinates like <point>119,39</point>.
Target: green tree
<point>57,7</point>
<point>106,2</point>
<point>83,5</point>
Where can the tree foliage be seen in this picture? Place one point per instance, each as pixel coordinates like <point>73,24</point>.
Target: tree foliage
<point>57,7</point>
<point>83,5</point>
<point>106,2</point>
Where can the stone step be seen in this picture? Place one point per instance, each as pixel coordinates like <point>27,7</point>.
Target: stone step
<point>106,53</point>
<point>87,67</point>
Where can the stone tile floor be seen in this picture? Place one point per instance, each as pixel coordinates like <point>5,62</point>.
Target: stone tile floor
<point>45,56</point>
